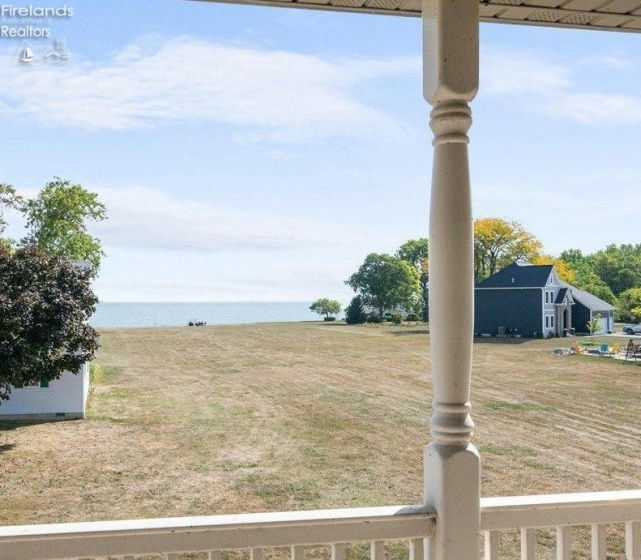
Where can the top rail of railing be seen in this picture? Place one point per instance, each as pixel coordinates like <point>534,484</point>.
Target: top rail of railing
<point>260,530</point>
<point>299,528</point>
<point>553,510</point>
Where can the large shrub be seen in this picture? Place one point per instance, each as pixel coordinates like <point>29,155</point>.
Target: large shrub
<point>354,312</point>
<point>45,303</point>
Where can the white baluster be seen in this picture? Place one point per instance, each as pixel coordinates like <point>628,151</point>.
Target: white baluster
<point>338,551</point>
<point>418,550</point>
<point>377,550</point>
<point>491,545</point>
<point>598,542</point>
<point>297,553</point>
<point>528,544</point>
<point>451,40</point>
<point>632,540</point>
<point>563,543</point>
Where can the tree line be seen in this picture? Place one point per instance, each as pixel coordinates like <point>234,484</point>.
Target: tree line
<point>46,298</point>
<point>388,282</point>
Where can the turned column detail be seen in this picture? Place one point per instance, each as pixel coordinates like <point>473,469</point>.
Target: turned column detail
<point>451,274</point>
<point>452,466</point>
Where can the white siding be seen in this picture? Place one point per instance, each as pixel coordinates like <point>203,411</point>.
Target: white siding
<point>606,322</point>
<point>65,398</point>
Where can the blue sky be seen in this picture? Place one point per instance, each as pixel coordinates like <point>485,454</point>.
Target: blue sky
<point>250,154</point>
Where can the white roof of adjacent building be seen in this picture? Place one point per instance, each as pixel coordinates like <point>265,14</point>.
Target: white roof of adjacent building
<point>612,15</point>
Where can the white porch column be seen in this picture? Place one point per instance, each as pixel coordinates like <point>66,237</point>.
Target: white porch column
<point>452,469</point>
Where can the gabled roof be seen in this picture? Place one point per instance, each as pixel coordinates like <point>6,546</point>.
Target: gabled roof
<point>519,275</point>
<point>560,297</point>
<point>593,303</point>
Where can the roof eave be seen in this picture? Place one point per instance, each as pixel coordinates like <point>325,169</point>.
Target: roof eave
<point>631,23</point>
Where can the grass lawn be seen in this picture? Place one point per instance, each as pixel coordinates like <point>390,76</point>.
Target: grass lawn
<point>201,421</point>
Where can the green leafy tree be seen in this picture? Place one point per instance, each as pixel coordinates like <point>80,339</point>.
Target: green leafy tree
<point>498,243</point>
<point>618,266</point>
<point>384,282</point>
<point>45,303</point>
<point>354,312</point>
<point>57,222</point>
<point>9,198</point>
<point>584,276</point>
<point>594,324</point>
<point>416,252</point>
<point>574,257</point>
<point>629,301</point>
<point>327,307</point>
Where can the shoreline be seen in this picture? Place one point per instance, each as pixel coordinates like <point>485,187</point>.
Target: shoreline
<point>177,314</point>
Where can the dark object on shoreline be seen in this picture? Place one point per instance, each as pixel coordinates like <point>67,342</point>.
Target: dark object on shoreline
<point>196,323</point>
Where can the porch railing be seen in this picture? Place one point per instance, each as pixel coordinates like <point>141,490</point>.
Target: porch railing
<point>334,529</point>
<point>562,512</point>
<point>256,532</point>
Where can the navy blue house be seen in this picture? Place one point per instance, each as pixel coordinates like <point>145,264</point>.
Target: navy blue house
<point>533,301</point>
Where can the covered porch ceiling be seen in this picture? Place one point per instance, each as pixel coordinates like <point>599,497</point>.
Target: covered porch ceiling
<point>609,15</point>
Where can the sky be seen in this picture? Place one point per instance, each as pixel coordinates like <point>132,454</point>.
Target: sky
<point>259,154</point>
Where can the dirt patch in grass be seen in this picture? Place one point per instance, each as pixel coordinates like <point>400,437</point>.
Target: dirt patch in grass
<point>300,416</point>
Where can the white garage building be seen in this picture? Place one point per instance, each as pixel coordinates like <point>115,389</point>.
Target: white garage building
<point>62,399</point>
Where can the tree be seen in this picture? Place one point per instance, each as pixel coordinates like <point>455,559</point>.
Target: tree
<point>328,307</point>
<point>57,222</point>
<point>584,276</point>
<point>354,312</point>
<point>45,303</point>
<point>385,282</point>
<point>416,252</point>
<point>629,301</point>
<point>563,269</point>
<point>498,243</point>
<point>9,198</point>
<point>594,324</point>
<point>618,266</point>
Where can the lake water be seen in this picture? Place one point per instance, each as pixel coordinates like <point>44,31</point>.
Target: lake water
<point>126,315</point>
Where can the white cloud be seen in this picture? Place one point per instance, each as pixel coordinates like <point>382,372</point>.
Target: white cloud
<point>537,83</point>
<point>598,108</point>
<point>596,213</point>
<point>217,288</point>
<point>281,95</point>
<point>143,218</point>
<point>513,73</point>
<point>607,61</point>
